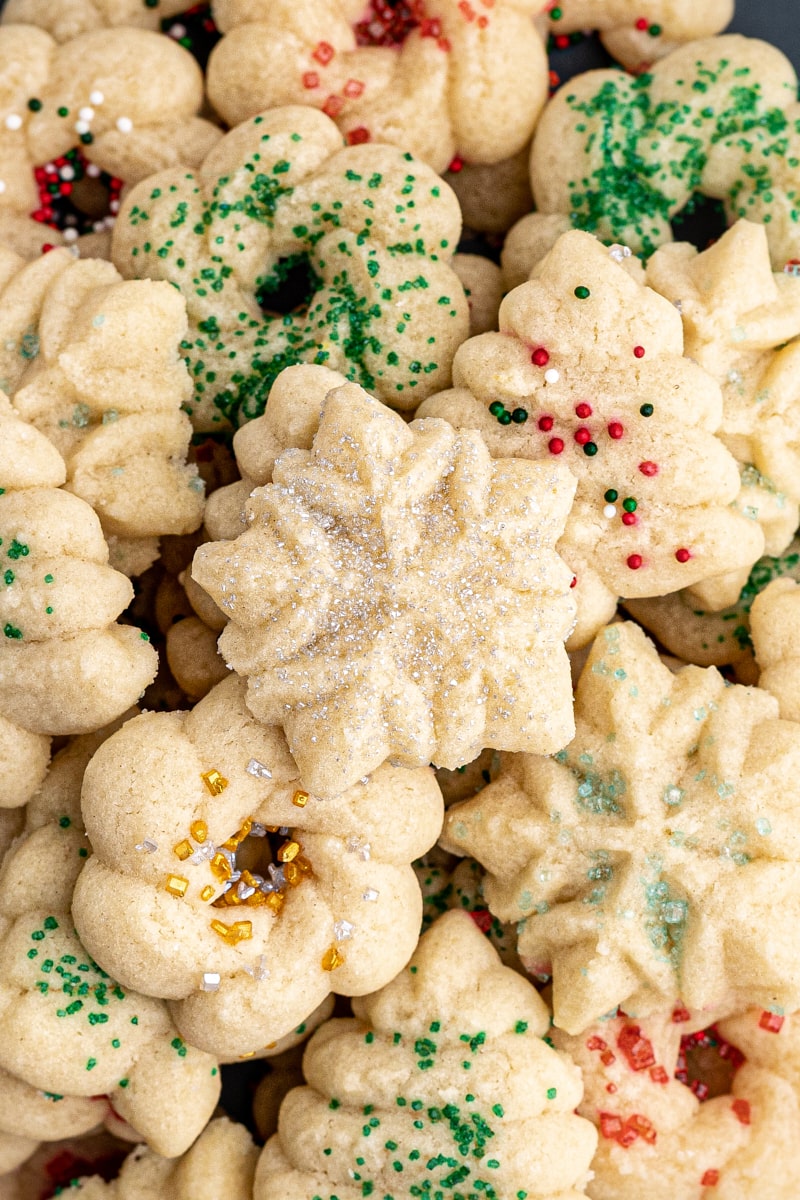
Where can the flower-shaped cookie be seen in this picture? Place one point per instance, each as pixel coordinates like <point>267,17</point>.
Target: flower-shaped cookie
<point>442,1085</point>
<point>775,629</point>
<point>588,370</point>
<point>362,596</point>
<point>768,1039</point>
<point>365,232</point>
<point>657,856</point>
<point>65,665</point>
<point>246,935</point>
<point>221,1163</point>
<point>622,156</point>
<point>438,77</point>
<point>128,102</point>
<point>633,33</point>
<point>662,1140</point>
<point>67,1027</point>
<point>94,363</point>
<point>67,19</point>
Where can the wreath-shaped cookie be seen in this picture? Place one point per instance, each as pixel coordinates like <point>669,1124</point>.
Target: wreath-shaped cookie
<point>242,893</point>
<point>96,1049</point>
<point>438,77</point>
<point>622,156</point>
<point>367,231</point>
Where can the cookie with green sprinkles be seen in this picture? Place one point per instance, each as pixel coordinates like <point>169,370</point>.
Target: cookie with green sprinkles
<point>443,79</point>
<point>290,249</point>
<point>623,156</point>
<point>441,1085</point>
<point>657,857</point>
<point>634,34</point>
<point>66,1027</point>
<point>588,370</point>
<point>241,891</point>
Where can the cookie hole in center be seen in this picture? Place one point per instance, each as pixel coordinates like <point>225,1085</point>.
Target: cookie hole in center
<point>265,862</point>
<point>701,221</point>
<point>289,286</point>
<point>75,196</point>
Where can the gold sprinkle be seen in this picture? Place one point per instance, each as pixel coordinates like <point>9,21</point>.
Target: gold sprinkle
<point>250,1054</point>
<point>248,879</point>
<point>292,874</point>
<point>270,1045</point>
<point>220,867</point>
<point>300,799</point>
<point>274,900</point>
<point>332,958</point>
<point>214,781</point>
<point>239,931</point>
<point>183,849</point>
<point>288,851</point>
<point>207,892</point>
<point>199,831</point>
<point>176,885</point>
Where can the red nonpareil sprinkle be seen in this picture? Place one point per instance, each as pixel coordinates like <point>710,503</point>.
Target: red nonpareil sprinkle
<point>545,424</point>
<point>637,1049</point>
<point>611,1088</point>
<point>610,1125</point>
<point>482,918</point>
<point>642,23</point>
<point>358,135</point>
<point>582,436</point>
<point>629,518</point>
<point>555,445</point>
<point>771,1022</point>
<point>482,22</point>
<point>741,1110</point>
<point>353,89</point>
<point>333,106</point>
<point>710,1178</point>
<point>680,1014</point>
<point>583,411</point>
<point>540,357</point>
<point>554,80</point>
<point>615,430</point>
<point>323,52</point>
<point>47,246</point>
<point>648,468</point>
<point>683,555</point>
<point>634,561</point>
<point>310,80</point>
<point>659,1075</point>
<point>561,41</point>
<point>638,351</point>
<point>456,165</point>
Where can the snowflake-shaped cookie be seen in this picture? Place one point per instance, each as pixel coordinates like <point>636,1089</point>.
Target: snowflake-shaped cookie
<point>657,856</point>
<point>397,596</point>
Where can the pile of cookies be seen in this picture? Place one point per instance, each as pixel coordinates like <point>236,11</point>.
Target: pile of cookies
<point>400,656</point>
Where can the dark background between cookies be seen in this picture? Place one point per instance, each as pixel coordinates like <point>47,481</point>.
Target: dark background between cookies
<point>776,21</point>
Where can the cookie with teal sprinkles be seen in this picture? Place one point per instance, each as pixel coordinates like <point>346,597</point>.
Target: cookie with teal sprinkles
<point>362,235</point>
<point>622,156</point>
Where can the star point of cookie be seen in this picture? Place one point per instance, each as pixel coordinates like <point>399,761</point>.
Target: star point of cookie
<point>656,856</point>
<point>397,595</point>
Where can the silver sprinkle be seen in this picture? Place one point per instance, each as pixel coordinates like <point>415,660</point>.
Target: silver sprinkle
<point>244,891</point>
<point>148,846</point>
<point>211,981</point>
<point>258,769</point>
<point>257,830</point>
<point>342,930</point>
<point>370,894</point>
<point>203,854</point>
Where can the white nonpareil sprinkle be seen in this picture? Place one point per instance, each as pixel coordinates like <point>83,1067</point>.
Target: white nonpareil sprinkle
<point>70,235</point>
<point>609,511</point>
<point>13,121</point>
<point>148,846</point>
<point>258,769</point>
<point>551,375</point>
<point>81,126</point>
<point>124,124</point>
<point>342,930</point>
<point>96,97</point>
<point>86,113</point>
<point>211,981</point>
<point>93,171</point>
<point>370,894</point>
<point>67,173</point>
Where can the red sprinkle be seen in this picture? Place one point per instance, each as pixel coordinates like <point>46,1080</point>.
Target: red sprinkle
<point>634,561</point>
<point>611,1088</point>
<point>642,23</point>
<point>710,1178</point>
<point>540,357</point>
<point>555,445</point>
<point>771,1022</point>
<point>333,106</point>
<point>574,581</point>
<point>358,135</point>
<point>608,1057</point>
<point>583,411</point>
<point>644,1127</point>
<point>638,1050</point>
<point>456,165</point>
<point>483,919</point>
<point>47,246</point>
<point>582,436</point>
<point>638,351</point>
<point>323,53</point>
<point>629,518</point>
<point>545,424</point>
<point>311,79</point>
<point>595,1043</point>
<point>659,1075</point>
<point>680,1014</point>
<point>615,430</point>
<point>682,555</point>
<point>741,1109</point>
<point>610,1125</point>
<point>353,89</point>
<point>648,468</point>
<point>561,41</point>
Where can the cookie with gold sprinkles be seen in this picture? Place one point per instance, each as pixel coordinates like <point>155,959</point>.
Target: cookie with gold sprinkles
<point>361,238</point>
<point>443,1084</point>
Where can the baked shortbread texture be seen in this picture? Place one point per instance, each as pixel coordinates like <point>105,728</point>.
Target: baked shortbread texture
<point>662,1139</point>
<point>76,1048</point>
<point>622,155</point>
<point>95,364</point>
<point>775,629</point>
<point>220,1163</point>
<point>65,665</point>
<point>360,596</point>
<point>441,1084</point>
<point>440,79</point>
<point>246,939</point>
<point>656,857</point>
<point>372,228</point>
<point>588,370</point>
<point>66,19</point>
